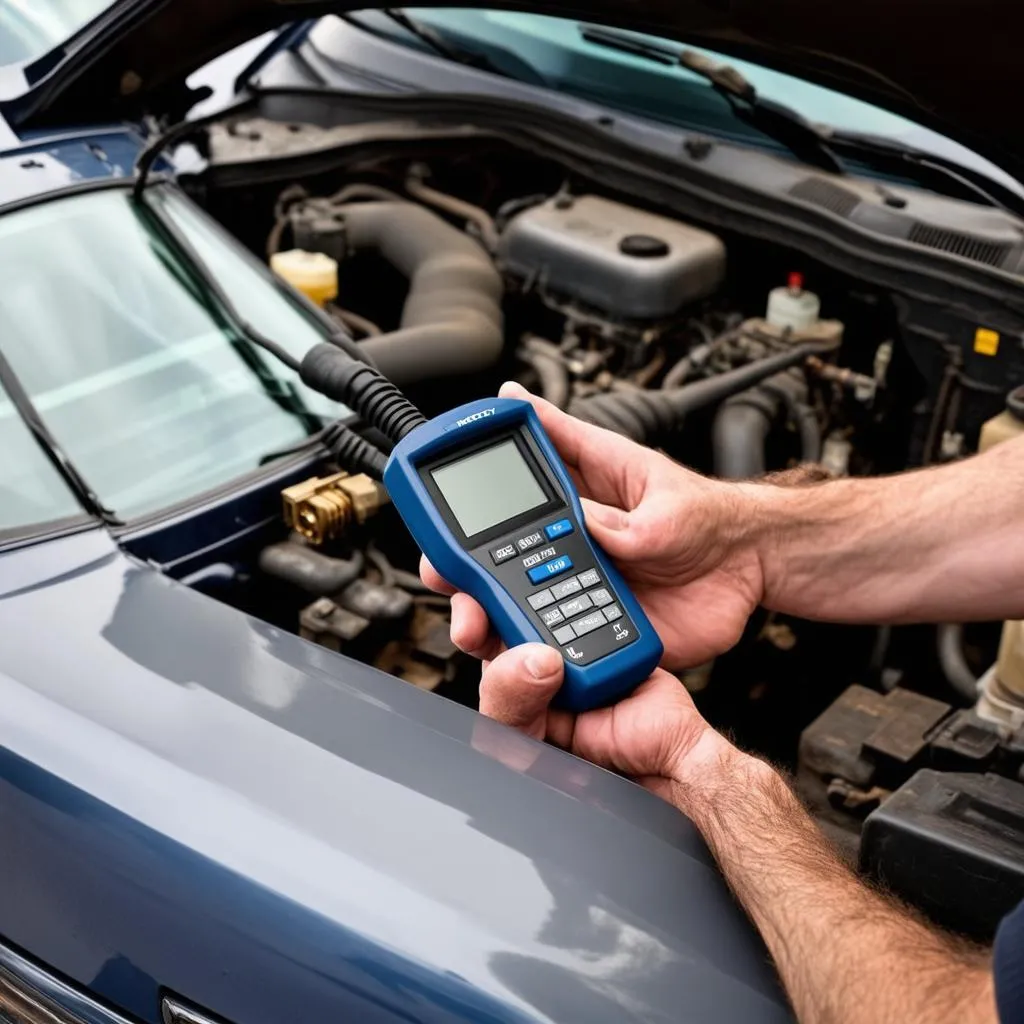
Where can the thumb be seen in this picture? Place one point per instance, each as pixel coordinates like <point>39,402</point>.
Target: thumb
<point>519,684</point>
<point>612,528</point>
<point>611,467</point>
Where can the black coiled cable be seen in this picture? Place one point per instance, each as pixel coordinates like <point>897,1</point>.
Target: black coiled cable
<point>353,452</point>
<point>363,389</point>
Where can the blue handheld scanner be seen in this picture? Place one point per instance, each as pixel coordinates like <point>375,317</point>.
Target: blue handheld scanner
<point>485,495</point>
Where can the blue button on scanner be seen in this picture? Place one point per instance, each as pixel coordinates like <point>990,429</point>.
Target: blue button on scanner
<point>559,529</point>
<point>540,573</point>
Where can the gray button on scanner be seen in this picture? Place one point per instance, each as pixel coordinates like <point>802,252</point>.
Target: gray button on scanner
<point>613,612</point>
<point>541,600</point>
<point>531,540</point>
<point>552,617</point>
<point>503,554</point>
<point>595,620</point>
<point>565,635</point>
<point>565,588</point>
<point>576,605</point>
<point>589,578</point>
<point>600,597</point>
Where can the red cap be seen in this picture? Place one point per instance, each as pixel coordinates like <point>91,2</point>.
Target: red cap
<point>795,281</point>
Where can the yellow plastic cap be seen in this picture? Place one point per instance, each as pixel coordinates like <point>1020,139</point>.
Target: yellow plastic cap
<point>312,273</point>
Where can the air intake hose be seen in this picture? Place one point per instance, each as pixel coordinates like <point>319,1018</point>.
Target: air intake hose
<point>452,321</point>
<point>645,416</point>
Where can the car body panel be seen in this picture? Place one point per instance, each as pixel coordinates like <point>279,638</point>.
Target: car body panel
<point>52,162</point>
<point>196,801</point>
<point>912,58</point>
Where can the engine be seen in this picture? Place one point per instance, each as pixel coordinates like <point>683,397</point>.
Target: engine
<point>736,357</point>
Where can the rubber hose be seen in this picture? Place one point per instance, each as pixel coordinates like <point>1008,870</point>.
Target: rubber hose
<point>950,638</point>
<point>452,322</point>
<point>362,388</point>
<point>484,222</point>
<point>791,387</point>
<point>645,415</point>
<point>310,570</point>
<point>677,374</point>
<point>552,373</point>
<point>739,435</point>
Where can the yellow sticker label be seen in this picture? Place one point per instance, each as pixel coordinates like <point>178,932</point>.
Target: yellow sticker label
<point>986,342</point>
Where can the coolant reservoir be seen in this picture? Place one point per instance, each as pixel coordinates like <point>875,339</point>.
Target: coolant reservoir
<point>312,273</point>
<point>792,306</point>
<point>1010,664</point>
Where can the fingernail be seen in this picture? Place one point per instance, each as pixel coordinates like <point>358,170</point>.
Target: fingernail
<point>512,388</point>
<point>538,664</point>
<point>607,516</point>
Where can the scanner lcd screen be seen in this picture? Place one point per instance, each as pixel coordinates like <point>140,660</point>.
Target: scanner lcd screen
<point>489,487</point>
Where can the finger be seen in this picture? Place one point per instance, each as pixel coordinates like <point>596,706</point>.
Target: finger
<point>560,727</point>
<point>433,579</point>
<point>612,468</point>
<point>471,631</point>
<point>518,686</point>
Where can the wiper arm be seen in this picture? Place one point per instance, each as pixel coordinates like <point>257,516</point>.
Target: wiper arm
<point>821,147</point>
<point>436,42</point>
<point>927,169</point>
<point>775,120</point>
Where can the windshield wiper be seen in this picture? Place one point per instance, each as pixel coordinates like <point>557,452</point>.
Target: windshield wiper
<point>820,147</point>
<point>433,39</point>
<point>775,120</point>
<point>936,172</point>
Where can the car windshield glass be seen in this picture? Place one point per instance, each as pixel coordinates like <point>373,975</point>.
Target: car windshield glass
<point>32,493</point>
<point>152,399</point>
<point>30,28</point>
<point>556,53</point>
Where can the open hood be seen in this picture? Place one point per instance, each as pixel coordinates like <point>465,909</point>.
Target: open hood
<point>954,67</point>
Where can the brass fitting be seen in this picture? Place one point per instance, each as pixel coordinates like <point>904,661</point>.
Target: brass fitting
<point>323,508</point>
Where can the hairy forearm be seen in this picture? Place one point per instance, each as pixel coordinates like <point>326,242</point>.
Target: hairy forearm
<point>943,544</point>
<point>846,954</point>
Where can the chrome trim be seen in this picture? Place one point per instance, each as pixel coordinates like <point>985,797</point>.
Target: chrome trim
<point>174,1012</point>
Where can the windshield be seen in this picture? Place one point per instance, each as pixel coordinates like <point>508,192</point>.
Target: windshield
<point>30,28</point>
<point>554,53</point>
<point>146,392</point>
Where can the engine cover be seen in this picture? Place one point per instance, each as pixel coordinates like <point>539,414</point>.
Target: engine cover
<point>625,262</point>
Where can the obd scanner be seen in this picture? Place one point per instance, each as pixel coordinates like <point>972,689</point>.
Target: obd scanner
<point>485,495</point>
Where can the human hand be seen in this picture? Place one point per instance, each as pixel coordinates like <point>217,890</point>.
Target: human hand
<point>678,538</point>
<point>655,736</point>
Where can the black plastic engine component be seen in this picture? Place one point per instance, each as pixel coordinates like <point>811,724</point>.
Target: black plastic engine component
<point>953,845</point>
<point>311,570</point>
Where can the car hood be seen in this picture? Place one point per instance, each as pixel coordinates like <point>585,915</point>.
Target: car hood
<point>953,67</point>
<point>195,801</point>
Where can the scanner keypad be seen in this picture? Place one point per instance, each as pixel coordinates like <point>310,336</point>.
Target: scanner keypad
<point>573,604</point>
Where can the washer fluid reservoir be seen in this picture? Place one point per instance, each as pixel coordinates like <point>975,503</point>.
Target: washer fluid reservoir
<point>312,273</point>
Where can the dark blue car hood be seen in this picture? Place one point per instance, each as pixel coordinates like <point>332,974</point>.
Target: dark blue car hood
<point>954,67</point>
<point>192,800</point>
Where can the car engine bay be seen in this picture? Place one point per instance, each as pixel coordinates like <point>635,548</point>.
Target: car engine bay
<point>458,267</point>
